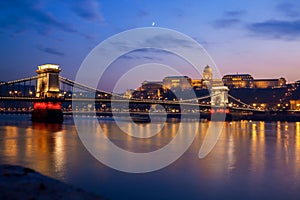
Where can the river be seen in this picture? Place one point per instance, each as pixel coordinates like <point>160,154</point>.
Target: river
<point>251,160</point>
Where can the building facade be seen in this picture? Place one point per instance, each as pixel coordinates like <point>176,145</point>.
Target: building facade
<point>238,80</point>
<point>247,81</point>
<point>177,83</point>
<point>269,83</point>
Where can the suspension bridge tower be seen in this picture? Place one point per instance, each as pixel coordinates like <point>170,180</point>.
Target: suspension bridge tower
<point>48,109</point>
<point>48,81</point>
<point>219,96</point>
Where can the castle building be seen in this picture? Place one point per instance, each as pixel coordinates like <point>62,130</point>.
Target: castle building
<point>238,81</point>
<point>207,73</point>
<point>176,83</point>
<point>247,81</point>
<point>269,83</point>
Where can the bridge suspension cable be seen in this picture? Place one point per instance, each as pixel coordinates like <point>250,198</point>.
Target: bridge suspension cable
<point>200,98</point>
<point>19,80</point>
<point>85,87</point>
<point>243,103</point>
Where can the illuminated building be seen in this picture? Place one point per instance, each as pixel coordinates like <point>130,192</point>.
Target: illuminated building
<point>238,81</point>
<point>197,84</point>
<point>207,77</point>
<point>149,90</point>
<point>293,96</point>
<point>247,81</point>
<point>175,83</point>
<point>128,93</point>
<point>295,104</point>
<point>152,85</point>
<point>269,83</point>
<point>207,73</point>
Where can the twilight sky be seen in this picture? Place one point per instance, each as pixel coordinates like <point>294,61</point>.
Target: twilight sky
<point>257,37</point>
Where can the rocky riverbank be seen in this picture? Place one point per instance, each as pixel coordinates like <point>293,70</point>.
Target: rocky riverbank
<point>18,182</point>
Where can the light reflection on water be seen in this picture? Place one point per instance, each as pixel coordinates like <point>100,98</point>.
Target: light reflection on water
<point>250,160</point>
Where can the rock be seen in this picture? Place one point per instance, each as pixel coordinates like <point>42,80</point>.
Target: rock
<point>17,182</point>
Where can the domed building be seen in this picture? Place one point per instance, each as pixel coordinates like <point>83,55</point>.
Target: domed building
<point>207,73</point>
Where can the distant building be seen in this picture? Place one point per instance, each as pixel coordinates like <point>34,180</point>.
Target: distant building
<point>152,85</point>
<point>207,77</point>
<point>197,83</point>
<point>247,81</point>
<point>129,93</point>
<point>295,104</point>
<point>269,83</point>
<point>207,73</point>
<point>149,90</point>
<point>176,83</point>
<point>238,81</point>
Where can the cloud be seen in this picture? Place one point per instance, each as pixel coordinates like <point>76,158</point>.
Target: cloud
<point>234,13</point>
<point>88,10</point>
<point>22,15</point>
<point>225,23</point>
<point>168,41</point>
<point>288,9</point>
<point>162,41</point>
<point>50,51</point>
<point>278,29</point>
<point>230,19</point>
<point>143,13</point>
<point>146,54</point>
<point>179,12</point>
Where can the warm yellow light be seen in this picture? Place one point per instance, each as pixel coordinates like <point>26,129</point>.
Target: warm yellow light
<point>48,66</point>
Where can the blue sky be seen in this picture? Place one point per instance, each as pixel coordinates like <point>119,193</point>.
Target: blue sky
<point>257,37</point>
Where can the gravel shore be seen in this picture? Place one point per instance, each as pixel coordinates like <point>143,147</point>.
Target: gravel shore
<point>18,182</point>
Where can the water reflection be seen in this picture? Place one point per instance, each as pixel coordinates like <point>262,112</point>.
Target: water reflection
<point>10,142</point>
<point>255,159</point>
<point>37,145</point>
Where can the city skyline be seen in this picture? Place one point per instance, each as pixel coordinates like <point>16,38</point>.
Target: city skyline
<point>259,38</point>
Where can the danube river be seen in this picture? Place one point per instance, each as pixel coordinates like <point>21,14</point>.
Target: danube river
<point>251,160</point>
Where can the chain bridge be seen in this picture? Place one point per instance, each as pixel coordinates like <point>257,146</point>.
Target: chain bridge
<point>49,95</point>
